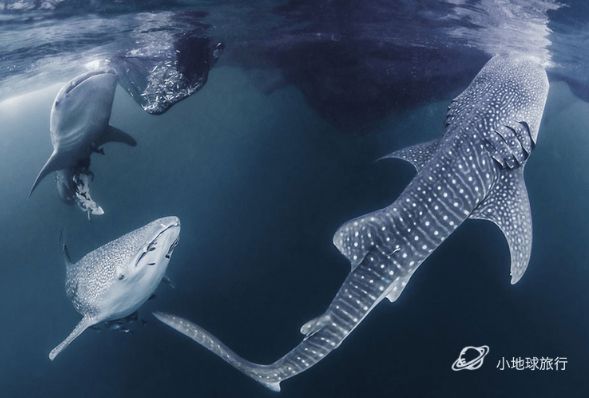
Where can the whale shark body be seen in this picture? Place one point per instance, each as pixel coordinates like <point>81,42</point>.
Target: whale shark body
<point>79,126</point>
<point>475,170</point>
<point>113,281</point>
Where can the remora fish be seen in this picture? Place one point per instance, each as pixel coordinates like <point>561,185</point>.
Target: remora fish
<point>114,280</point>
<point>79,123</point>
<point>475,170</point>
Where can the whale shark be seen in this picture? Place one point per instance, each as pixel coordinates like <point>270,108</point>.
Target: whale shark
<point>113,281</point>
<point>475,170</point>
<point>79,126</point>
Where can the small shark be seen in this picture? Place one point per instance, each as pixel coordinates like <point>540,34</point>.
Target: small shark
<point>113,281</point>
<point>79,126</point>
<point>475,170</point>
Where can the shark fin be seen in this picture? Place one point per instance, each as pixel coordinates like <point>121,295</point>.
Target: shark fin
<point>54,163</point>
<point>84,324</point>
<point>315,324</point>
<point>418,155</point>
<point>66,254</point>
<point>508,207</point>
<point>263,374</point>
<point>113,134</point>
<point>397,287</point>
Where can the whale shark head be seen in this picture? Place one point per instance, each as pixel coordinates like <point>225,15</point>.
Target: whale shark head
<point>135,279</point>
<point>508,88</point>
<point>84,103</point>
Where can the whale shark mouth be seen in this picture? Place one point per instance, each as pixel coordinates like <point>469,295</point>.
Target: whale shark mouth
<point>154,242</point>
<point>87,76</point>
<point>82,196</point>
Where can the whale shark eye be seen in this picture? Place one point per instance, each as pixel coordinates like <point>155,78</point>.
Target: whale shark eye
<point>121,277</point>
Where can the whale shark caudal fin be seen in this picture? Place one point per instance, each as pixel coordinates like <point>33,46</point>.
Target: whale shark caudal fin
<point>363,289</point>
<point>54,163</point>
<point>113,134</point>
<point>509,208</point>
<point>84,324</point>
<point>204,338</point>
<point>418,155</point>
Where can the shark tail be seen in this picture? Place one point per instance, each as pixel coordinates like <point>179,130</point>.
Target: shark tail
<point>207,340</point>
<point>84,324</point>
<point>362,290</point>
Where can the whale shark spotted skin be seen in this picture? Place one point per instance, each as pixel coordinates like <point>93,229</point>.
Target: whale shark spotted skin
<point>113,281</point>
<point>475,170</point>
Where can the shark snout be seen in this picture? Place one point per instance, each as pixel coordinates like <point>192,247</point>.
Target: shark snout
<point>95,78</point>
<point>169,222</point>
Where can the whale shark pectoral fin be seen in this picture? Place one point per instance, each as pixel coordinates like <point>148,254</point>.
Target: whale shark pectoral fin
<point>113,134</point>
<point>84,324</point>
<point>508,207</point>
<point>315,324</point>
<point>54,163</point>
<point>418,155</point>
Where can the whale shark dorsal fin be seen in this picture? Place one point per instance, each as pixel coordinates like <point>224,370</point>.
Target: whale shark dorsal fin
<point>508,207</point>
<point>84,324</point>
<point>66,256</point>
<point>54,163</point>
<point>66,253</point>
<point>418,155</point>
<point>113,134</point>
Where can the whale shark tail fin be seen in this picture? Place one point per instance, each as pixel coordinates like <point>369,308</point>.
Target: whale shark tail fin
<point>113,134</point>
<point>263,374</point>
<point>54,163</point>
<point>84,324</point>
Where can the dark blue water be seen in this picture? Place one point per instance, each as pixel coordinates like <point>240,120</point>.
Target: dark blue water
<point>261,179</point>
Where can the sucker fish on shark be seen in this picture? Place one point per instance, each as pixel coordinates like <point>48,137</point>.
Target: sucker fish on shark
<point>475,170</point>
<point>113,281</point>
<point>79,126</point>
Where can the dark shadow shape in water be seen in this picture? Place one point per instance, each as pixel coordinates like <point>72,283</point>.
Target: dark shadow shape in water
<point>355,84</point>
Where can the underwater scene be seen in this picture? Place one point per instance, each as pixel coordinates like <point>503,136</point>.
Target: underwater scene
<point>294,198</point>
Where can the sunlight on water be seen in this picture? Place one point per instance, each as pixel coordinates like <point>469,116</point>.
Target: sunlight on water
<point>258,124</point>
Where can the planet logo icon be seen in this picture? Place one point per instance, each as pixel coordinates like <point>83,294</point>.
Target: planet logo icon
<point>470,358</point>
